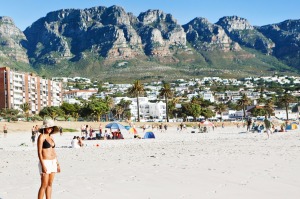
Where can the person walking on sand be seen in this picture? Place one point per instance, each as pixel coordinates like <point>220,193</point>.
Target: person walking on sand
<point>48,164</point>
<point>5,130</point>
<point>100,130</point>
<point>268,125</point>
<point>249,122</point>
<point>33,134</point>
<point>165,127</point>
<point>36,129</point>
<point>181,126</point>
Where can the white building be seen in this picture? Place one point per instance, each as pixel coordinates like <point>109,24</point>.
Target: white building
<point>83,94</point>
<point>208,95</point>
<point>147,109</point>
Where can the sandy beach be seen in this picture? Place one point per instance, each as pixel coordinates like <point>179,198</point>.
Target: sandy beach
<point>224,163</point>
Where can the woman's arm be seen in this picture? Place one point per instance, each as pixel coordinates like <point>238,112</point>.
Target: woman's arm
<point>40,154</point>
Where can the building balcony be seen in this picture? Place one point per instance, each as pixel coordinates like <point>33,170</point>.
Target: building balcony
<point>18,91</point>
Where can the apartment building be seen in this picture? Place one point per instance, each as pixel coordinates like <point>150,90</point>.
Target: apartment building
<point>17,88</point>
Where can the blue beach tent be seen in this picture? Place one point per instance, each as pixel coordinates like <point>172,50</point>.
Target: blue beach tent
<point>149,135</point>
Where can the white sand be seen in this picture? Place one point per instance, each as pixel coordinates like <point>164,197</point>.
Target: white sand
<point>222,164</point>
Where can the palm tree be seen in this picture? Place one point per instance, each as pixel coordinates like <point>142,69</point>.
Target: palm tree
<point>110,103</point>
<point>125,105</point>
<point>119,111</point>
<point>137,89</point>
<point>285,100</point>
<point>76,116</point>
<point>25,108</point>
<point>220,108</point>
<point>243,102</point>
<point>166,92</point>
<point>269,107</point>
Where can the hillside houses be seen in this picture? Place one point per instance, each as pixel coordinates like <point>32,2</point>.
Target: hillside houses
<point>153,106</point>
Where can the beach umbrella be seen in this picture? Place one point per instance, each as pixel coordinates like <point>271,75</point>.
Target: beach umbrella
<point>127,127</point>
<point>115,125</point>
<point>207,123</point>
<point>133,131</point>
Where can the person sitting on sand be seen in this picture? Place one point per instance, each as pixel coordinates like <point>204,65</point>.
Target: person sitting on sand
<point>75,142</point>
<point>120,136</point>
<point>106,135</point>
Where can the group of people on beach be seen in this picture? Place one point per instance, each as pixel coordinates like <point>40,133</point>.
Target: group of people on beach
<point>89,133</point>
<point>265,126</point>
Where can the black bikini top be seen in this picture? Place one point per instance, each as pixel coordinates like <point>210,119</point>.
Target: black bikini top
<point>47,145</point>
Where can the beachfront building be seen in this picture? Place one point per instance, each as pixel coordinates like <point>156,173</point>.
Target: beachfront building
<point>17,88</point>
<point>155,110</point>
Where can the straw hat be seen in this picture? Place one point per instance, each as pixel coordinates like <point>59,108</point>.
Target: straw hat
<point>47,124</point>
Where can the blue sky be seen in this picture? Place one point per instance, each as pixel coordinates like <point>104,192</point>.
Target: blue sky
<point>258,12</point>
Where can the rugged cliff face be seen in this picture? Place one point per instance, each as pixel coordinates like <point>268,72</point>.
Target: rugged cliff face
<point>286,36</point>
<point>70,34</point>
<point>12,41</point>
<point>107,32</point>
<point>159,33</point>
<point>240,30</point>
<point>209,37</point>
<point>102,40</point>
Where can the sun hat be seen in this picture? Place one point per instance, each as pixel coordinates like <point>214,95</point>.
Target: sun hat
<point>48,123</point>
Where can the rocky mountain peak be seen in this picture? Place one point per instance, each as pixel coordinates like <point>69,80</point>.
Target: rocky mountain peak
<point>103,36</point>
<point>115,15</point>
<point>12,41</point>
<point>207,36</point>
<point>242,32</point>
<point>7,20</point>
<point>155,16</point>
<point>234,23</point>
<point>292,26</point>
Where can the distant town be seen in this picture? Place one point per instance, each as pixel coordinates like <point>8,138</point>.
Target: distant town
<point>181,100</point>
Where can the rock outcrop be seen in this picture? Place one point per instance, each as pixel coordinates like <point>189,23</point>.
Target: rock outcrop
<point>286,36</point>
<point>204,35</point>
<point>12,41</point>
<point>160,32</point>
<point>240,30</point>
<point>107,32</point>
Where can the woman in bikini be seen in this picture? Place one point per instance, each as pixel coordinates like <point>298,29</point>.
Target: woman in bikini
<point>48,164</point>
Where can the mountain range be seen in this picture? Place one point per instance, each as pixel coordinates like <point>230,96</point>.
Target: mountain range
<point>107,43</point>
